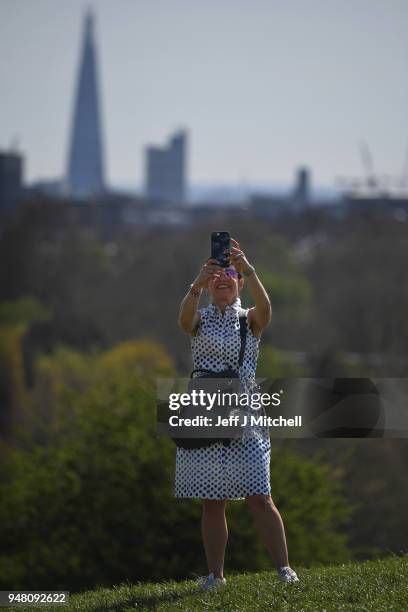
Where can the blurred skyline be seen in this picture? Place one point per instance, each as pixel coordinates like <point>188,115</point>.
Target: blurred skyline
<point>263,87</point>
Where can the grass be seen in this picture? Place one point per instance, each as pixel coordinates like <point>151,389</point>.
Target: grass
<point>374,586</point>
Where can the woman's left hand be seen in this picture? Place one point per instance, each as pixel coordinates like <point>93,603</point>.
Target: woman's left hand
<point>238,259</point>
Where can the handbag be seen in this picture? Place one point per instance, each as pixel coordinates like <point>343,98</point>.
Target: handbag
<point>230,376</point>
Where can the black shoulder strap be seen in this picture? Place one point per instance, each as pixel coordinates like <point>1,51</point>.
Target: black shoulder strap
<point>243,332</point>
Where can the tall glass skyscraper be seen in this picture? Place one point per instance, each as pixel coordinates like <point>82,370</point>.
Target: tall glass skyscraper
<point>85,173</point>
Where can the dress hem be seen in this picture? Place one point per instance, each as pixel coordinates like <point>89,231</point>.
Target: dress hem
<point>217,497</point>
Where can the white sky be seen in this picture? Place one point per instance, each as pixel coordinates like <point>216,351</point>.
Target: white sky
<point>262,85</point>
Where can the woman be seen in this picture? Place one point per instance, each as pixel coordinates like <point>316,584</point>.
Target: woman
<point>239,470</point>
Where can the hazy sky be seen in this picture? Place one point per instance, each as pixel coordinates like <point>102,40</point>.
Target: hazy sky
<point>262,85</point>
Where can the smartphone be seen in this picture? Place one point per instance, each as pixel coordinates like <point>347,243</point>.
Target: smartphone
<point>220,242</point>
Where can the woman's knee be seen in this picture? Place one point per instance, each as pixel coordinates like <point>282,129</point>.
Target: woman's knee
<point>260,503</point>
<point>214,506</point>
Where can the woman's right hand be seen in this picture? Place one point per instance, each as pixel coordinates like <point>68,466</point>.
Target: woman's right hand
<point>207,272</point>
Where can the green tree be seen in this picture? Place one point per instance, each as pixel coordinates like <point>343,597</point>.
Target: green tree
<point>274,363</point>
<point>15,319</point>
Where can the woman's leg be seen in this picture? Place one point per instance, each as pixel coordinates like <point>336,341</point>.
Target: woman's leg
<point>269,524</point>
<point>215,534</point>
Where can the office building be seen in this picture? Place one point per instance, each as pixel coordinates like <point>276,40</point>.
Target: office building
<point>301,194</point>
<point>166,170</point>
<point>11,177</point>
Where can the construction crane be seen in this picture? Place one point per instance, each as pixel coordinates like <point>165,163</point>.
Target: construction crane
<point>367,159</point>
<point>372,185</point>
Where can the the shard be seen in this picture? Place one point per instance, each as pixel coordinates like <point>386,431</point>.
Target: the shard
<point>85,173</point>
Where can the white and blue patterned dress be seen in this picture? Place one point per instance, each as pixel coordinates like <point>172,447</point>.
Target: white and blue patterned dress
<point>241,468</point>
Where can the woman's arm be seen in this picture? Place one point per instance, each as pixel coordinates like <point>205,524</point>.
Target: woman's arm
<point>189,317</point>
<point>260,315</point>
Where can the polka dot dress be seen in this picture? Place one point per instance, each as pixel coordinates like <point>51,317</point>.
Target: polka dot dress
<point>242,468</point>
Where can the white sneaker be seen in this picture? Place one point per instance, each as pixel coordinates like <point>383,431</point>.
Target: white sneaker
<point>286,574</point>
<point>210,582</point>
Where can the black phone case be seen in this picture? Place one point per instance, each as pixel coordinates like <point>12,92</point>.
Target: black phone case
<point>219,242</point>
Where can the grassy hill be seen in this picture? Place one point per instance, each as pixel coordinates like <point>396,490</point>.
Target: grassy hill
<point>380,585</point>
